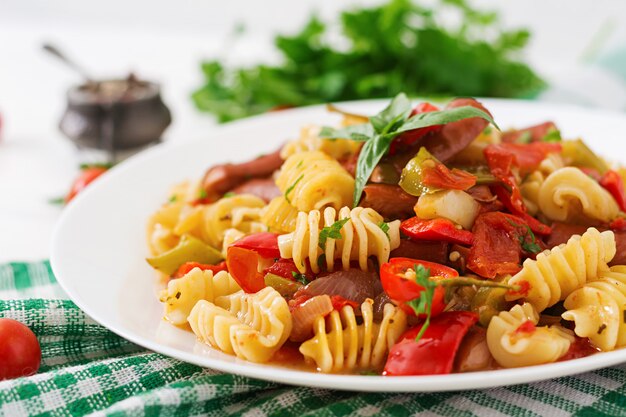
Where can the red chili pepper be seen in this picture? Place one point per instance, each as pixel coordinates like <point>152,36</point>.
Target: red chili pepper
<point>436,229</point>
<point>264,243</point>
<point>401,289</point>
<point>613,183</point>
<point>86,177</point>
<point>507,199</point>
<point>407,139</point>
<point>188,266</point>
<point>434,353</point>
<point>245,255</point>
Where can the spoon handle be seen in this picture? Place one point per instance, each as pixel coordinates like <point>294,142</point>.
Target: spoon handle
<point>53,50</point>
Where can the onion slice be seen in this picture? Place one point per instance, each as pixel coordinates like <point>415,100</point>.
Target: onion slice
<point>305,314</point>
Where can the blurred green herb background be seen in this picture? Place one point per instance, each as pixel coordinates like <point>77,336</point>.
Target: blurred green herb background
<point>398,46</point>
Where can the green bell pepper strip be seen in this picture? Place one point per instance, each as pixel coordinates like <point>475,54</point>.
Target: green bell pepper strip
<point>189,249</point>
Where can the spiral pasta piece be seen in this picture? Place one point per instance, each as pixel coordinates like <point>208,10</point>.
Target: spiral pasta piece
<point>340,344</point>
<point>361,237</point>
<point>513,346</point>
<point>182,294</point>
<point>556,273</point>
<point>251,326</point>
<point>309,140</point>
<point>313,180</point>
<point>532,183</point>
<point>568,192</point>
<point>598,310</point>
<point>241,212</point>
<point>280,216</point>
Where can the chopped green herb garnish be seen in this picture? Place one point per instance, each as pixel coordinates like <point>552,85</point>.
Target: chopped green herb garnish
<point>291,187</point>
<point>300,164</point>
<point>528,241</point>
<point>553,135</point>
<point>202,194</point>
<point>369,373</point>
<point>229,194</point>
<point>105,165</point>
<point>301,278</point>
<point>384,227</point>
<point>321,261</point>
<point>172,198</point>
<point>333,231</point>
<point>424,303</point>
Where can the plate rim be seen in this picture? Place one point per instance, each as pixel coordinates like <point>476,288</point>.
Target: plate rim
<point>427,383</point>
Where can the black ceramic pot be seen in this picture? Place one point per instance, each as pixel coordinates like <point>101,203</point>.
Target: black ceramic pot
<point>115,115</point>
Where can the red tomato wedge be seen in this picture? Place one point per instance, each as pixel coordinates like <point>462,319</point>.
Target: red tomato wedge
<point>435,352</point>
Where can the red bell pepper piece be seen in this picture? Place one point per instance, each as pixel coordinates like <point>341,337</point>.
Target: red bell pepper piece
<point>618,224</point>
<point>434,353</point>
<point>264,243</point>
<point>401,289</point>
<point>436,229</point>
<point>188,266</point>
<point>285,268</point>
<point>613,183</point>
<point>409,138</point>
<point>339,302</point>
<point>246,254</point>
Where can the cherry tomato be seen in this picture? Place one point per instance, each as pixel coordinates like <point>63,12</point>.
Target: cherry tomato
<point>86,177</point>
<point>402,289</point>
<point>434,353</point>
<point>20,354</point>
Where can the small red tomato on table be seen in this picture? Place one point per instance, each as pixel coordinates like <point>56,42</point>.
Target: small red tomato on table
<point>87,175</point>
<point>20,354</point>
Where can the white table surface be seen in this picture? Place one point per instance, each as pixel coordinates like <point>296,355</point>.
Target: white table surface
<point>37,163</point>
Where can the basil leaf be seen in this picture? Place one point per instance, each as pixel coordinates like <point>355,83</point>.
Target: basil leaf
<point>371,153</point>
<point>359,133</point>
<point>443,117</point>
<point>398,109</point>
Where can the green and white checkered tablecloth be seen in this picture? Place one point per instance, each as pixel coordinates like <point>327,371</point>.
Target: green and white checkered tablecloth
<point>87,370</point>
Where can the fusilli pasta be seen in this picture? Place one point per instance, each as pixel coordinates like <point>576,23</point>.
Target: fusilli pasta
<point>313,180</point>
<point>513,346</point>
<point>361,236</point>
<point>280,216</point>
<point>341,344</point>
<point>568,193</point>
<point>598,309</point>
<point>250,326</point>
<point>182,294</point>
<point>558,272</point>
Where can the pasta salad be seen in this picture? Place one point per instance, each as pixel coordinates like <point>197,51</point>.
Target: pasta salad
<point>417,241</point>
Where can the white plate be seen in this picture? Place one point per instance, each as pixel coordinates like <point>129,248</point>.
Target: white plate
<point>99,245</point>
